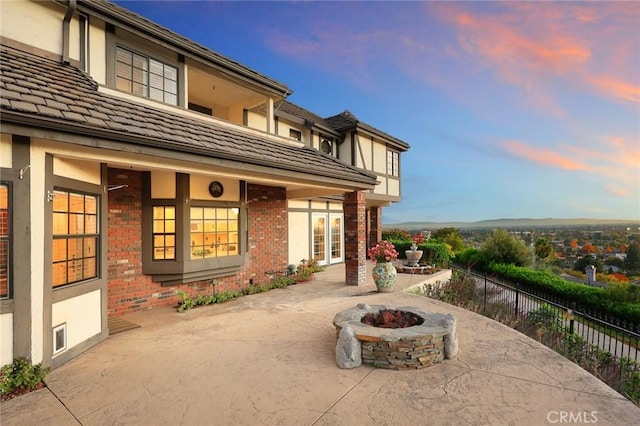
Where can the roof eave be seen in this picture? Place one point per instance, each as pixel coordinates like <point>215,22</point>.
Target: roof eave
<point>363,181</point>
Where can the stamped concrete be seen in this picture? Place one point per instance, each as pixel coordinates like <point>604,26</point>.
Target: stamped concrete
<point>270,359</point>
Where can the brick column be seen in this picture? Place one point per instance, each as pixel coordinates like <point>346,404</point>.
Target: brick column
<point>355,236</point>
<point>375,226</point>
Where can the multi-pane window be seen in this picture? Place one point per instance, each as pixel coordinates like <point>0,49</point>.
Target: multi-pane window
<point>75,237</point>
<point>214,232</point>
<point>144,76</point>
<point>5,239</point>
<point>164,232</point>
<point>393,163</point>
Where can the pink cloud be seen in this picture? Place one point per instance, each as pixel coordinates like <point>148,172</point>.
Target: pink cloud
<point>534,45</point>
<point>622,192</point>
<point>615,88</point>
<point>541,156</point>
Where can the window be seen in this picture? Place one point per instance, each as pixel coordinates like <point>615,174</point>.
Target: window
<point>393,160</point>
<point>214,232</point>
<point>295,134</point>
<point>164,232</point>
<point>5,239</point>
<point>75,237</point>
<point>144,76</point>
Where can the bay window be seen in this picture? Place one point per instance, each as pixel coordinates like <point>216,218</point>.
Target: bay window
<point>189,239</point>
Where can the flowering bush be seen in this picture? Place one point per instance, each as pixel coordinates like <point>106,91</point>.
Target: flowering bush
<point>418,239</point>
<point>384,251</point>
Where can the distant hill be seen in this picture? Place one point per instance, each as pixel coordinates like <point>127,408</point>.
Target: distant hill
<point>509,223</point>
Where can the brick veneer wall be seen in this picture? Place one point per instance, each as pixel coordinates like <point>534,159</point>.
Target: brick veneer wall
<point>375,226</point>
<point>355,238</point>
<point>129,290</point>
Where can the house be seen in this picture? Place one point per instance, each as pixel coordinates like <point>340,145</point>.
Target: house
<point>135,163</point>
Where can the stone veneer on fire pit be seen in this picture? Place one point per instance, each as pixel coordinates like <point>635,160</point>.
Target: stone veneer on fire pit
<point>412,347</point>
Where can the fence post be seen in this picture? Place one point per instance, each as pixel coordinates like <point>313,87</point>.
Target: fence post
<point>484,304</point>
<point>517,294</point>
<point>572,317</point>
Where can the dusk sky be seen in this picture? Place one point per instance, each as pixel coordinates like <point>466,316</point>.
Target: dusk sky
<point>512,110</point>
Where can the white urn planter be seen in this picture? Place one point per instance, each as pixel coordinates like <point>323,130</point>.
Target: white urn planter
<point>413,256</point>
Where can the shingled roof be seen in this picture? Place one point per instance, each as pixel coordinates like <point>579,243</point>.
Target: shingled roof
<point>44,93</point>
<point>346,121</point>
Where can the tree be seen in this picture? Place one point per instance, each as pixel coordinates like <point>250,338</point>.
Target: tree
<point>544,249</point>
<point>632,262</point>
<point>503,247</point>
<point>582,263</point>
<point>449,236</point>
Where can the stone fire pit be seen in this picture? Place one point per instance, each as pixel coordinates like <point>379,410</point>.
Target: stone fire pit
<point>416,346</point>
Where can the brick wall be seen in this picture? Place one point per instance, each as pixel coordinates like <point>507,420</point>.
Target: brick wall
<point>375,226</point>
<point>129,290</point>
<point>355,236</point>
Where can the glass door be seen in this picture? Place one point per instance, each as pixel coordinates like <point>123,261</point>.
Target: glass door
<point>336,240</point>
<point>319,238</point>
<point>328,238</point>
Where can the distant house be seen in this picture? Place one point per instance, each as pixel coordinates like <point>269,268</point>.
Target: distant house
<point>135,163</point>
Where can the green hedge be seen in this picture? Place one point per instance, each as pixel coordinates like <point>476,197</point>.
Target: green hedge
<point>585,296</point>
<point>435,254</point>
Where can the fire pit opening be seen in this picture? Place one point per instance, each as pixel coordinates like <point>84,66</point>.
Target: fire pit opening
<point>392,318</point>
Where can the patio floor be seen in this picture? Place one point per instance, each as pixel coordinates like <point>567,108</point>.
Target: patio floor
<point>269,359</point>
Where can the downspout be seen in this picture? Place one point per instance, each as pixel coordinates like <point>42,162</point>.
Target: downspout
<point>66,31</point>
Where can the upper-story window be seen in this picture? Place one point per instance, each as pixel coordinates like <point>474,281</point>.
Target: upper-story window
<point>145,76</point>
<point>295,134</point>
<point>393,163</point>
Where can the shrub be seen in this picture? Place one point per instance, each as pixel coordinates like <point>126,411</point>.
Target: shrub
<point>503,247</point>
<point>21,376</point>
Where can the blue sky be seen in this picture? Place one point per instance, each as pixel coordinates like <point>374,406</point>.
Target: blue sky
<point>512,110</point>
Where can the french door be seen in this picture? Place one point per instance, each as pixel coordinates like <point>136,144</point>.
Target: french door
<point>327,238</point>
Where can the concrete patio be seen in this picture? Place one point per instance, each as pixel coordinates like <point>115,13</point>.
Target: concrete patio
<point>270,359</point>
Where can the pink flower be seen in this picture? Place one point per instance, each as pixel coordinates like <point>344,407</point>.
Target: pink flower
<point>384,251</point>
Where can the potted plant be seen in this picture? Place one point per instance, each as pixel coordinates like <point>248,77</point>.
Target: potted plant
<point>384,273</point>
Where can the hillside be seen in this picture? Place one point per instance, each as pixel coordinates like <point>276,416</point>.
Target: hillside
<point>510,223</point>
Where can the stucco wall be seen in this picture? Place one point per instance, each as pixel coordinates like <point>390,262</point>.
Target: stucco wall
<point>299,238</point>
<point>5,151</point>
<point>44,21</point>
<point>82,314</point>
<point>6,339</point>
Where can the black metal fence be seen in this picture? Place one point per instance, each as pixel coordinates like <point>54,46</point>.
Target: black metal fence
<point>619,338</point>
